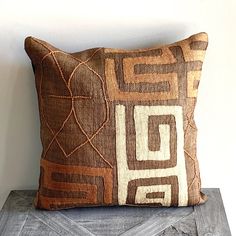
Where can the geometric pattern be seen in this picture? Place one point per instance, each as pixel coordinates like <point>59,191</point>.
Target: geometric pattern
<point>117,126</point>
<point>86,188</point>
<point>125,176</point>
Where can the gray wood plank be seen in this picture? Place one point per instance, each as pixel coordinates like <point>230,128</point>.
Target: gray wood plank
<point>160,221</point>
<point>111,227</point>
<point>210,217</point>
<point>34,227</point>
<point>19,217</point>
<point>110,221</point>
<point>186,226</point>
<point>27,194</point>
<point>14,214</point>
<point>60,223</point>
<point>114,212</point>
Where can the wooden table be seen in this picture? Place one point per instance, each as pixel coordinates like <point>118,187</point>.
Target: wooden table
<point>18,217</point>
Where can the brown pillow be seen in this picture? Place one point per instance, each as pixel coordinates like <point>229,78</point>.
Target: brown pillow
<point>117,126</point>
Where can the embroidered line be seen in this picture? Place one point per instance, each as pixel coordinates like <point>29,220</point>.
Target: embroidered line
<point>69,97</point>
<point>72,111</point>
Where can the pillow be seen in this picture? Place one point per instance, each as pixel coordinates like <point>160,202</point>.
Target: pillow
<point>117,126</point>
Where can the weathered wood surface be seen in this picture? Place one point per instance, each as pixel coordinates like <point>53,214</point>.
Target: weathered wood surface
<point>18,217</point>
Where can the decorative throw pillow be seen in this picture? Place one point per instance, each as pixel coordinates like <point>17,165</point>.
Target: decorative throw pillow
<point>117,126</point>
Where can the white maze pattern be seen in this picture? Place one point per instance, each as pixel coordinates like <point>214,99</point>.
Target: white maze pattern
<point>125,175</point>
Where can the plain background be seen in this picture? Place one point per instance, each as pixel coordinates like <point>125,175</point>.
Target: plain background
<point>76,25</point>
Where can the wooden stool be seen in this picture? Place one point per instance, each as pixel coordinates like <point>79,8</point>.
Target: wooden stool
<point>19,217</point>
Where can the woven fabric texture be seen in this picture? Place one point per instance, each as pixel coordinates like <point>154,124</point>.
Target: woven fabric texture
<point>117,126</point>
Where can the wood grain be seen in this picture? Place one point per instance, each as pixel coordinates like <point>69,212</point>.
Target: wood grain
<point>211,218</point>
<point>19,217</point>
<point>14,214</point>
<point>159,221</point>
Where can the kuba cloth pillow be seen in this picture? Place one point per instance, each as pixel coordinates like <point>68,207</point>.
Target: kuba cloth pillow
<point>117,126</point>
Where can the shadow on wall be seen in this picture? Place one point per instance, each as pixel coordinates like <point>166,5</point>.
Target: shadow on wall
<point>20,163</point>
<point>129,35</point>
<point>149,36</point>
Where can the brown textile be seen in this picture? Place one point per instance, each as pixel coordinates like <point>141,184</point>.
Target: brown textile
<point>117,126</point>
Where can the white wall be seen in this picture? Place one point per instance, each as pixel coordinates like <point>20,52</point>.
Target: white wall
<point>75,25</point>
